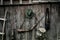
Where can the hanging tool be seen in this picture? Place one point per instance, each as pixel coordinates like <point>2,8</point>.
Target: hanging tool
<point>47,20</point>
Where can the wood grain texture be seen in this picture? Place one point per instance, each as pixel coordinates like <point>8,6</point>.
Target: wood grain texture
<point>16,20</point>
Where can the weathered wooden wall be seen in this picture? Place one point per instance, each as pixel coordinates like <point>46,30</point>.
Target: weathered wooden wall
<point>16,16</point>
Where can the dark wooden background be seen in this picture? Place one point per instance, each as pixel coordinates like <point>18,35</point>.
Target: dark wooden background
<point>16,16</point>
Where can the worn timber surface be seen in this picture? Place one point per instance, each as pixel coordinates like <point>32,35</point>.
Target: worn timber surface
<point>16,17</point>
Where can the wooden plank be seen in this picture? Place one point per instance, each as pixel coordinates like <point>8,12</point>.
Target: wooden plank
<point>11,2</point>
<point>3,19</point>
<point>4,23</point>
<point>20,1</point>
<point>30,1</point>
<point>1,33</point>
<point>1,2</point>
<point>39,10</point>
